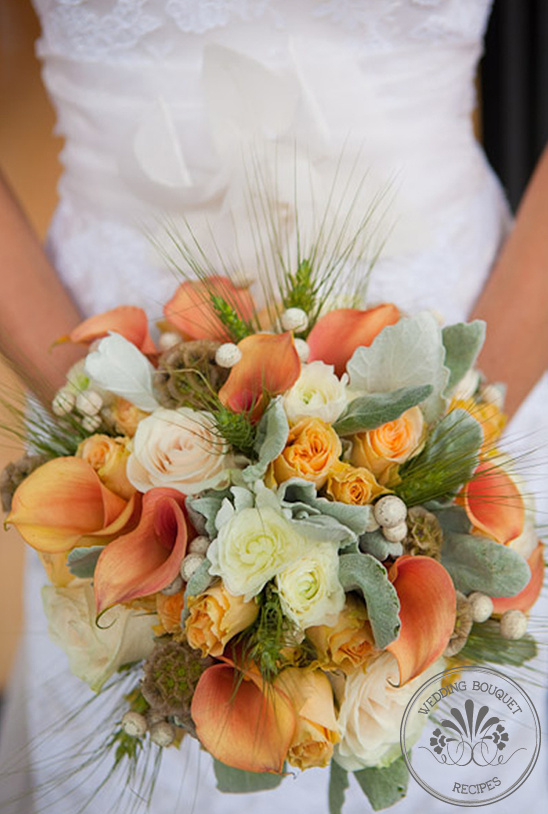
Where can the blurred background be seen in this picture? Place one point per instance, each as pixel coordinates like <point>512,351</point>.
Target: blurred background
<point>512,121</point>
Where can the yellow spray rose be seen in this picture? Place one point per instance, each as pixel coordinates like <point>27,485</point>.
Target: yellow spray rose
<point>349,642</point>
<point>384,449</point>
<point>354,485</point>
<point>313,448</point>
<point>108,457</point>
<point>316,728</point>
<point>215,617</point>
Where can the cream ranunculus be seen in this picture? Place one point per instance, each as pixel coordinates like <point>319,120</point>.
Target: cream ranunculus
<point>309,588</point>
<point>371,711</point>
<point>215,617</point>
<point>95,653</point>
<point>317,393</point>
<point>178,449</point>
<point>252,547</point>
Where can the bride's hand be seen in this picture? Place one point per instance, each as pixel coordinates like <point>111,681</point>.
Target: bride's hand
<point>515,300</point>
<point>35,309</point>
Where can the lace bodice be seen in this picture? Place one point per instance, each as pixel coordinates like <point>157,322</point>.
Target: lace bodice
<point>159,100</point>
<point>115,29</point>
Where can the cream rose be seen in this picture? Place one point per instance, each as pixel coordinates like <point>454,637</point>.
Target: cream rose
<point>95,653</point>
<point>251,548</point>
<point>317,393</point>
<point>371,711</point>
<point>215,617</point>
<point>309,588</point>
<point>179,449</point>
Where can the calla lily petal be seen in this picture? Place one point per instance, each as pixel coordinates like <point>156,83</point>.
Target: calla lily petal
<point>427,613</point>
<point>191,312</point>
<point>127,320</point>
<point>494,504</point>
<point>269,365</point>
<point>335,336</point>
<point>62,501</point>
<point>241,722</point>
<point>526,598</point>
<point>149,557</point>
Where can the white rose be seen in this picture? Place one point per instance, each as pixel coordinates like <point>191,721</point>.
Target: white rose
<point>179,449</point>
<point>95,653</point>
<point>317,393</point>
<point>251,548</point>
<point>371,712</point>
<point>309,589</point>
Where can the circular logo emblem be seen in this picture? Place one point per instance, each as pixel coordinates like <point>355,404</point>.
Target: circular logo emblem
<point>474,735</point>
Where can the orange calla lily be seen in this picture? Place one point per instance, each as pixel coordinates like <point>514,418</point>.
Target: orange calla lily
<point>269,365</point>
<point>427,613</point>
<point>191,312</point>
<point>241,721</point>
<point>526,598</point>
<point>63,504</point>
<point>335,336</point>
<point>494,504</point>
<point>149,557</point>
<point>127,320</point>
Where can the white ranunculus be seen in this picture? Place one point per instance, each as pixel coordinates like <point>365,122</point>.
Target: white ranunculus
<point>317,393</point>
<point>119,367</point>
<point>371,712</point>
<point>95,653</point>
<point>252,547</point>
<point>178,449</point>
<point>309,589</point>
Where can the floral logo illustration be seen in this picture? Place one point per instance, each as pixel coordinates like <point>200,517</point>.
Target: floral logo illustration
<point>471,736</point>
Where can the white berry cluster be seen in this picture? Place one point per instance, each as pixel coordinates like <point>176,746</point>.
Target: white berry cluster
<point>391,513</point>
<point>85,405</point>
<point>162,733</point>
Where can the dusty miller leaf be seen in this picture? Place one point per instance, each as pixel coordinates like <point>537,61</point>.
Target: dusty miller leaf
<point>369,412</point>
<point>338,783</point>
<point>384,787</point>
<point>362,572</point>
<point>462,343</point>
<point>407,354</point>
<point>82,561</point>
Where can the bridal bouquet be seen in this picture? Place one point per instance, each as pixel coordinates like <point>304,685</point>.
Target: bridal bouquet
<point>276,525</point>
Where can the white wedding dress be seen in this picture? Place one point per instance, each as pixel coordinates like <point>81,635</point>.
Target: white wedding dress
<point>158,100</point>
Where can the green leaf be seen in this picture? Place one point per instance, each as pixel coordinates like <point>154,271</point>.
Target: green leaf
<point>236,781</point>
<point>338,783</point>
<point>408,354</point>
<point>362,572</point>
<point>478,564</point>
<point>369,412</point>
<point>271,438</point>
<point>384,787</point>
<point>82,561</point>
<point>448,460</point>
<point>462,343</point>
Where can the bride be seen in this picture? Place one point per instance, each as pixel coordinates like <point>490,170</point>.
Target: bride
<point>158,101</point>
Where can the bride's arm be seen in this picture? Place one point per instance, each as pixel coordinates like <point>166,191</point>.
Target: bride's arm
<point>515,300</point>
<point>35,309</point>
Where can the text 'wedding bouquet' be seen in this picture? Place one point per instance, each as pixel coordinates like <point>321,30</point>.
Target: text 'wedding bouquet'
<point>276,525</point>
